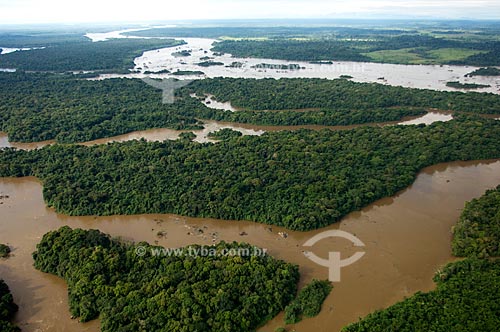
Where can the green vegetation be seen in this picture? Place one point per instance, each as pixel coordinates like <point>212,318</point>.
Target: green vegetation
<point>308,302</point>
<point>339,95</point>
<point>7,309</point>
<point>466,299</point>
<point>297,50</point>
<point>321,62</point>
<point>188,73</point>
<point>347,77</point>
<point>301,180</point>
<point>235,64</point>
<point>210,64</point>
<point>183,53</point>
<point>38,107</point>
<point>202,288</point>
<point>478,230</point>
<point>4,250</point>
<point>292,66</point>
<point>489,71</point>
<point>404,49</point>
<point>422,55</point>
<point>458,85</point>
<point>115,55</point>
<point>225,134</point>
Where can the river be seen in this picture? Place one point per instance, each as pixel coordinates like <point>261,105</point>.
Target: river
<point>432,77</point>
<point>407,239</point>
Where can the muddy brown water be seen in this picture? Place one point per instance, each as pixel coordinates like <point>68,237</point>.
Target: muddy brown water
<point>407,239</point>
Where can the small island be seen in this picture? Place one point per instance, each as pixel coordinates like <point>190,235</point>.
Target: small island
<point>183,53</point>
<point>210,64</point>
<point>467,86</point>
<point>292,66</point>
<point>235,64</point>
<point>188,73</point>
<point>346,77</point>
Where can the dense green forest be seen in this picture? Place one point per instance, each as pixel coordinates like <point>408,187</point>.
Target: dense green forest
<point>466,299</point>
<point>339,95</point>
<point>132,289</point>
<point>41,106</point>
<point>116,55</point>
<point>478,230</point>
<point>301,180</point>
<point>7,309</point>
<point>405,49</point>
<point>38,107</point>
<point>308,302</point>
<point>224,134</point>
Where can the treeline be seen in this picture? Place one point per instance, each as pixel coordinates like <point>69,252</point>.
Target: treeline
<point>308,302</point>
<point>358,49</point>
<point>340,94</point>
<point>477,233</point>
<point>7,309</point>
<point>116,55</point>
<point>225,287</point>
<point>301,180</point>
<point>38,107</point>
<point>295,50</point>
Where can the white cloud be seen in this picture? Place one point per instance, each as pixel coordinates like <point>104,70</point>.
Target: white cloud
<point>23,11</point>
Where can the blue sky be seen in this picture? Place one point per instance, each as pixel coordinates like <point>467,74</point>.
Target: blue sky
<point>35,11</point>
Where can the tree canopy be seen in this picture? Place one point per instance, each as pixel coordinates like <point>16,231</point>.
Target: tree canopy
<point>136,287</point>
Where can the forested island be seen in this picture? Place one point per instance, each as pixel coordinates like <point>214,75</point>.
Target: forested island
<point>7,309</point>
<point>308,302</point>
<point>204,288</point>
<point>466,298</point>
<point>301,180</point>
<point>115,55</point>
<point>459,85</point>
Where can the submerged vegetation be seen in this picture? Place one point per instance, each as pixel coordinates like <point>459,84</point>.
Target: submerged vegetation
<point>301,180</point>
<point>202,288</point>
<point>4,250</point>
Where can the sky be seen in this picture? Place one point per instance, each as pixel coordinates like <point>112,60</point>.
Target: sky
<point>81,11</point>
